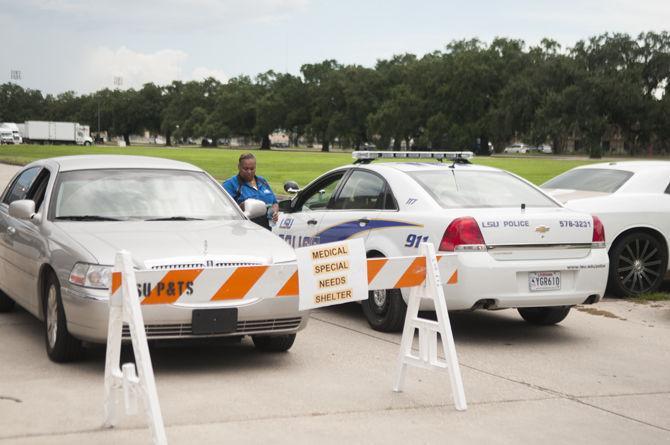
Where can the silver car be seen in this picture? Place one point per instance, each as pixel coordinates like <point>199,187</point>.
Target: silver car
<point>62,220</point>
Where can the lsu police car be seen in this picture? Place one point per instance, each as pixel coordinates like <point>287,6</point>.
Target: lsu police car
<point>517,247</point>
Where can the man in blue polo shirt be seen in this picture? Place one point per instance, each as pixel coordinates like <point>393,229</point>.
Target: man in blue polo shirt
<point>246,185</point>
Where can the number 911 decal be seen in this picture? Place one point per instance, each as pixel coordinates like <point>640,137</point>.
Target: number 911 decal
<point>413,240</point>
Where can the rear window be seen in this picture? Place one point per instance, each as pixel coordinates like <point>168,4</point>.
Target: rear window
<point>590,180</point>
<point>476,189</point>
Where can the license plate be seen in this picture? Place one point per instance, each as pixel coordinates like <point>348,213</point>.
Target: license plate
<point>213,321</point>
<point>540,281</point>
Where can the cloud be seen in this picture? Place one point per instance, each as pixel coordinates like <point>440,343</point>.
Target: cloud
<point>134,69</point>
<point>103,65</point>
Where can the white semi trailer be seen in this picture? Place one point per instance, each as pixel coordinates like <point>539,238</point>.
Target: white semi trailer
<point>56,133</point>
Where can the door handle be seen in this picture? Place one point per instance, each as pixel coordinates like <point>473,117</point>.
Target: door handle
<point>363,222</point>
<point>312,222</point>
<point>11,230</point>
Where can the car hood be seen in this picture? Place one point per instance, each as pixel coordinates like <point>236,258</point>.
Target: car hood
<point>153,243</point>
<point>565,195</point>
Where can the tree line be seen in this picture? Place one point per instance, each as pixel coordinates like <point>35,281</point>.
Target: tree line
<point>610,86</point>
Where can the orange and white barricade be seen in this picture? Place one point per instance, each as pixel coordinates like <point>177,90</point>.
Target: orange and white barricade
<point>420,273</point>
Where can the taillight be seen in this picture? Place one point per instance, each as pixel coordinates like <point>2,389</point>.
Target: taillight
<point>462,234</point>
<point>598,240</point>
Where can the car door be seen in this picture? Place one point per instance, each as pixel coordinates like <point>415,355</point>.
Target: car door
<point>298,227</point>
<point>17,240</point>
<point>356,209</point>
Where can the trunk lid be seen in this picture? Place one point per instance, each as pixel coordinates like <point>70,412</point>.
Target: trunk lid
<point>536,233</point>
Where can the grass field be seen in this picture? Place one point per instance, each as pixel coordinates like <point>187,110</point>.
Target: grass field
<point>276,166</point>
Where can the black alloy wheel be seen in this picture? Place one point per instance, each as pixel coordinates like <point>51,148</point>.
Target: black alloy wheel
<point>638,263</point>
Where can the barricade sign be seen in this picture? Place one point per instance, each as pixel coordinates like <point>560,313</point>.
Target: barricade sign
<point>314,275</point>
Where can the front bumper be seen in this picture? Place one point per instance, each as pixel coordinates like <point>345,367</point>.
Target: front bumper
<point>486,282</point>
<point>87,314</point>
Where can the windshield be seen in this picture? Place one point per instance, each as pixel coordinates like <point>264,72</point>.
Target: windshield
<point>139,194</point>
<point>590,180</point>
<point>474,189</point>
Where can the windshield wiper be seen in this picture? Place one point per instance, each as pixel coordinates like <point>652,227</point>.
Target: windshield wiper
<point>87,218</point>
<point>175,218</point>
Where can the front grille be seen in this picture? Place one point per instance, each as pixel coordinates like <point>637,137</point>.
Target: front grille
<point>203,265</point>
<point>157,331</point>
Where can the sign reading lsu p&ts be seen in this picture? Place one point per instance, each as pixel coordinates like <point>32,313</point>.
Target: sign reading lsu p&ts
<point>332,273</point>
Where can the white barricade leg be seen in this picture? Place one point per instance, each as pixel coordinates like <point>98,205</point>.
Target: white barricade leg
<point>428,332</point>
<point>113,377</point>
<point>129,382</point>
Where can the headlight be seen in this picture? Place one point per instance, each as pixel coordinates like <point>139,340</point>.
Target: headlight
<point>91,275</point>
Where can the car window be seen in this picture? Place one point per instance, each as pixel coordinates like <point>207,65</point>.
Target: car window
<point>21,185</point>
<point>476,189</point>
<point>362,191</point>
<point>590,180</point>
<point>318,195</point>
<point>145,194</point>
<point>38,189</point>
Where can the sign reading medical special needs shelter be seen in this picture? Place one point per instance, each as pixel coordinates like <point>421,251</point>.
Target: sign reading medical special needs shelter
<point>332,273</point>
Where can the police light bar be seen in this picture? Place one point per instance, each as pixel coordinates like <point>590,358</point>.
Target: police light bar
<point>369,156</point>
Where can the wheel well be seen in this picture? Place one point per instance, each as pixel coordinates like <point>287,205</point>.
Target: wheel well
<point>374,254</point>
<point>651,232</point>
<point>41,283</point>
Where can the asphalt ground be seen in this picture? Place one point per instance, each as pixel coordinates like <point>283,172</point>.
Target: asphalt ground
<point>601,376</point>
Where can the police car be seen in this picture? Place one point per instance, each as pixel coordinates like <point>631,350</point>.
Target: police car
<point>517,247</point>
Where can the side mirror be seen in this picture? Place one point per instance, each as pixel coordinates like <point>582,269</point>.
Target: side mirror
<point>22,209</point>
<point>285,206</point>
<point>291,187</point>
<point>253,208</point>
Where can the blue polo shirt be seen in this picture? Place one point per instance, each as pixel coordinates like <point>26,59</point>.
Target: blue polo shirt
<point>263,193</point>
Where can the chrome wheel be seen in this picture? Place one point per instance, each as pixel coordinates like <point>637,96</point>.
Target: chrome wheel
<point>52,316</point>
<point>380,301</point>
<point>639,265</point>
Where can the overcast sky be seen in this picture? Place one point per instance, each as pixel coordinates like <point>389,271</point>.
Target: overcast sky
<point>82,45</point>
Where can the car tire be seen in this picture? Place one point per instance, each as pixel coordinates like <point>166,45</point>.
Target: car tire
<point>544,316</point>
<point>6,303</point>
<point>61,345</point>
<point>273,343</point>
<point>385,310</point>
<point>638,263</point>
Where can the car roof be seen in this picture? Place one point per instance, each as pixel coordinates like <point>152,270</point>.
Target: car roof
<point>632,166</point>
<point>88,162</point>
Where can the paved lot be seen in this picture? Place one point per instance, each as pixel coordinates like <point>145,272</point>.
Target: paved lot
<point>601,376</point>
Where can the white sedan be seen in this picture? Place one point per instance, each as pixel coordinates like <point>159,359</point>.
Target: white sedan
<point>517,247</point>
<point>633,201</point>
<point>62,220</point>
